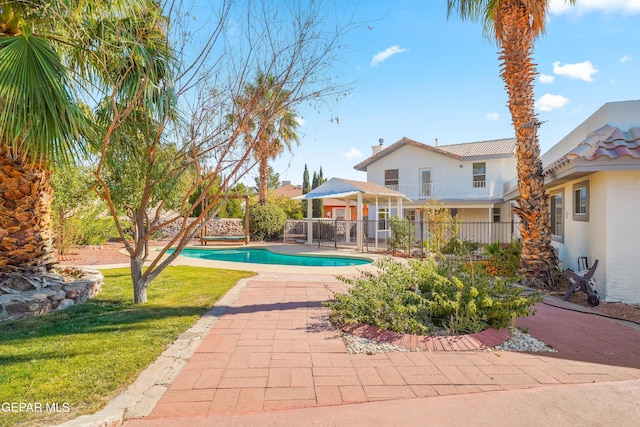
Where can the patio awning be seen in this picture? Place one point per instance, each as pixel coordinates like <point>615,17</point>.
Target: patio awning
<point>339,188</point>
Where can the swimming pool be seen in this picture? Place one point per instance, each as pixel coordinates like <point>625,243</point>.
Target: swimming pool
<point>265,256</point>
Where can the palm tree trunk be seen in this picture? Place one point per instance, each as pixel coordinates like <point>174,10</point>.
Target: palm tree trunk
<point>539,263</point>
<point>264,177</point>
<point>26,233</point>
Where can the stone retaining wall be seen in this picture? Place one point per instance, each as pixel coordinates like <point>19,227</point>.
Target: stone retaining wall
<point>215,227</point>
<point>35,302</point>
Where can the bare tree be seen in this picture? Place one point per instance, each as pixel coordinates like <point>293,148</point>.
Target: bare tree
<point>170,137</point>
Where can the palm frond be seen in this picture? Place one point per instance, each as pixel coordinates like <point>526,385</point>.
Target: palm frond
<point>37,113</point>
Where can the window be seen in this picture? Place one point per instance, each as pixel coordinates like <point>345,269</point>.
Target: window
<point>581,201</point>
<point>425,182</point>
<point>479,175</point>
<point>410,214</point>
<point>496,214</point>
<point>557,216</point>
<point>391,177</point>
<point>453,212</point>
<point>340,214</point>
<point>383,218</point>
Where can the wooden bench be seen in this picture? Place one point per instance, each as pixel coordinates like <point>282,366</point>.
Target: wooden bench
<point>224,239</point>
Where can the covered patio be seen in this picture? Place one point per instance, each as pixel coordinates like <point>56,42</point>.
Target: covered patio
<point>351,192</point>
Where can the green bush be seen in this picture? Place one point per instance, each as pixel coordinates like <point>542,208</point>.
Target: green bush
<point>459,247</point>
<point>420,295</point>
<point>503,262</point>
<point>402,234</point>
<point>266,221</point>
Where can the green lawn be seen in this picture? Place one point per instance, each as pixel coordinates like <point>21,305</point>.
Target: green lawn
<point>82,357</point>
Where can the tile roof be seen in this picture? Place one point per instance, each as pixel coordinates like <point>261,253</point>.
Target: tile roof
<point>492,148</point>
<point>505,146</point>
<point>608,142</point>
<point>289,190</point>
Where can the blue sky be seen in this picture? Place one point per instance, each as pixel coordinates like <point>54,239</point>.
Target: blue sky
<point>420,75</point>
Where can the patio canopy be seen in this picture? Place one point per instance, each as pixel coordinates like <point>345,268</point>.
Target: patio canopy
<point>339,188</point>
<point>346,189</point>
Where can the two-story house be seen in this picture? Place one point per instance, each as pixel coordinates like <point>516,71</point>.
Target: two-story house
<point>470,179</point>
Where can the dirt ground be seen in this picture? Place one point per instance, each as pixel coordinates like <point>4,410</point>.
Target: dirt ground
<point>110,253</point>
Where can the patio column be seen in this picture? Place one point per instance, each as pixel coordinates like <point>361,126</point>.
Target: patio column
<point>490,237</point>
<point>359,224</point>
<point>347,217</point>
<point>377,219</point>
<point>309,223</point>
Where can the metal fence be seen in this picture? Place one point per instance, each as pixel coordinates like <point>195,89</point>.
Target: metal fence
<point>376,234</point>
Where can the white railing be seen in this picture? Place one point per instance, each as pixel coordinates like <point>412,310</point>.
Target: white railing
<point>451,190</point>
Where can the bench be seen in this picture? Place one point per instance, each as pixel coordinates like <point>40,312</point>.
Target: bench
<point>293,237</point>
<point>224,239</point>
<point>583,280</point>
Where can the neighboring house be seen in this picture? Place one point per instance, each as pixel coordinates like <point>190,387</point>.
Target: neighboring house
<point>288,189</point>
<point>470,179</point>
<point>593,179</point>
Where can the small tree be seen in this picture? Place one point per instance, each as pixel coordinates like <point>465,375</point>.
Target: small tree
<point>306,187</point>
<point>403,234</point>
<point>266,221</point>
<point>72,195</point>
<point>180,109</point>
<point>441,226</point>
<point>318,204</point>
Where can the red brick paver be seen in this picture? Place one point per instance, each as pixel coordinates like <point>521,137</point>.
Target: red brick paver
<point>274,349</point>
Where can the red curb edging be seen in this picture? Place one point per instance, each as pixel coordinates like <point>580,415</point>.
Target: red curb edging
<point>466,342</point>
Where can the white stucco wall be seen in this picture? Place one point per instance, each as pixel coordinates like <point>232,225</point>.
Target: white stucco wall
<point>585,238</point>
<point>409,160</point>
<point>612,234</point>
<point>623,236</point>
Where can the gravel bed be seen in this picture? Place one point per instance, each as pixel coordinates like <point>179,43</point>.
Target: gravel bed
<point>519,341</point>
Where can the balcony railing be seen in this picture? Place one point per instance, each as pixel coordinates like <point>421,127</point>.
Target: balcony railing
<point>451,190</point>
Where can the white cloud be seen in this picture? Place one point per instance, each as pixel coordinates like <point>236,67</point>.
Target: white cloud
<point>581,71</point>
<point>354,153</point>
<point>585,6</point>
<point>626,58</point>
<point>300,121</point>
<point>492,117</point>
<point>613,81</point>
<point>386,54</point>
<point>549,102</point>
<point>546,78</point>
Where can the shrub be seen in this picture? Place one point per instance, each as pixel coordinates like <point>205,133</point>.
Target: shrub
<point>266,221</point>
<point>420,295</point>
<point>385,301</point>
<point>402,233</point>
<point>459,247</point>
<point>503,262</point>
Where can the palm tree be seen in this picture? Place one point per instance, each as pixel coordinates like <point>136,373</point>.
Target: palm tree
<point>515,24</point>
<point>266,106</point>
<point>48,53</point>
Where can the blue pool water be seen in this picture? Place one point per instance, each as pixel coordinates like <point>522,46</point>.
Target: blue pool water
<point>265,256</point>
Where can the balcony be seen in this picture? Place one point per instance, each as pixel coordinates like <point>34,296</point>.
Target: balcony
<point>479,190</point>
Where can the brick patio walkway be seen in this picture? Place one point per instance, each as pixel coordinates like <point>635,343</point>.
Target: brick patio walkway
<point>274,349</point>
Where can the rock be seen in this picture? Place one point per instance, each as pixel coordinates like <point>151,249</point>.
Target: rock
<point>58,295</point>
<point>17,307</point>
<point>65,303</point>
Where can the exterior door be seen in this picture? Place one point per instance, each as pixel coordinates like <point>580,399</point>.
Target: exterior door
<point>425,182</point>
